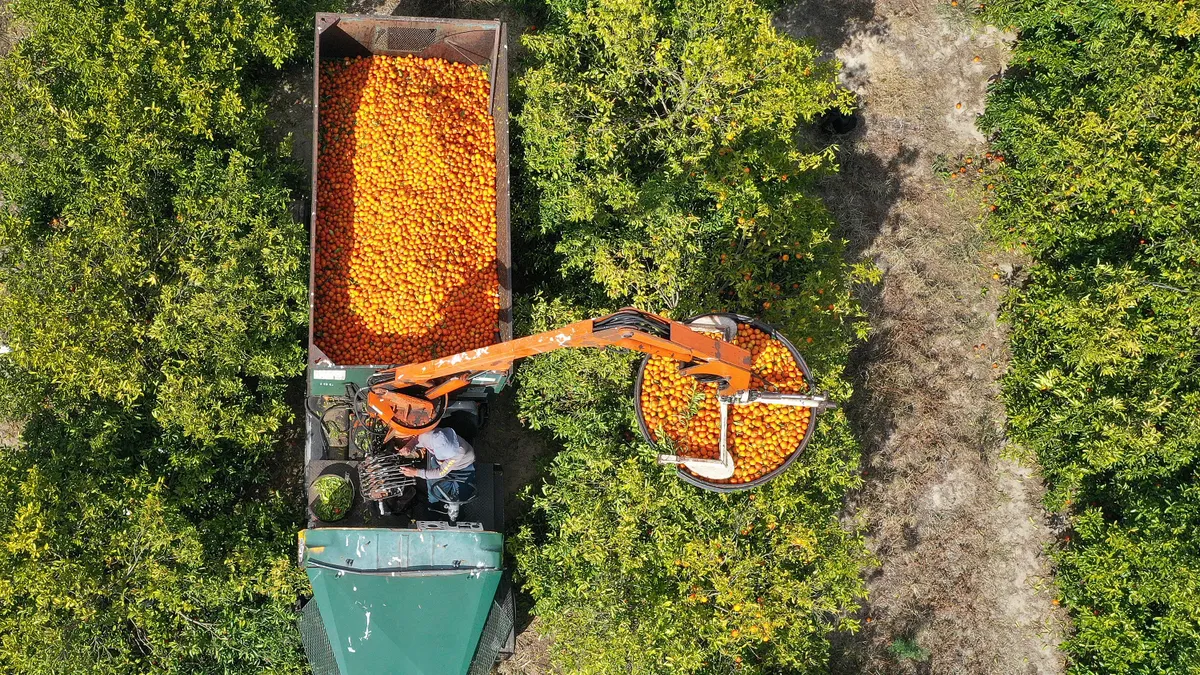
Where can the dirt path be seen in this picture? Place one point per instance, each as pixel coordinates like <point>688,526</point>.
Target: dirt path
<point>10,432</point>
<point>963,582</point>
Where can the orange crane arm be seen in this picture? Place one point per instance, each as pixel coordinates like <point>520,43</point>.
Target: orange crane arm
<point>629,328</point>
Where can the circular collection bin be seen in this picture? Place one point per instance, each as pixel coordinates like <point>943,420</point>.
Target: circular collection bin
<point>342,471</point>
<point>732,487</point>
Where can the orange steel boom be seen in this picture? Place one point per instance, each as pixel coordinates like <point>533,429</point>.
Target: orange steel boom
<point>704,357</point>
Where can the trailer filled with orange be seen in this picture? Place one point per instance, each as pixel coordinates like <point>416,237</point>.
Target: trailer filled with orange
<point>405,264</point>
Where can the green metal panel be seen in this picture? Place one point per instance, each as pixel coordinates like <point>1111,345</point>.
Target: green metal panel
<point>402,550</point>
<point>331,380</point>
<point>403,601</point>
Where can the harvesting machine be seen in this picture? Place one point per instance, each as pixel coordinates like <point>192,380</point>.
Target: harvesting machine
<point>401,585</point>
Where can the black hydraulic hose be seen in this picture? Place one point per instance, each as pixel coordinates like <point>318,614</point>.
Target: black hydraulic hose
<point>320,417</point>
<point>636,321</point>
<point>377,378</point>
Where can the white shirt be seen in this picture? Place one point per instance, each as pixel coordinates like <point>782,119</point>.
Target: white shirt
<point>445,451</point>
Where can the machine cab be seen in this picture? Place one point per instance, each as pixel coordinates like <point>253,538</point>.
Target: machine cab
<point>398,585</point>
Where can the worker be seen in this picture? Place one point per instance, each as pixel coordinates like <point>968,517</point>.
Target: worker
<point>449,465</point>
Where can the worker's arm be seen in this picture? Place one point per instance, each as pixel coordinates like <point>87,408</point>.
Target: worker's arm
<point>447,452</point>
<point>461,461</point>
<point>409,449</point>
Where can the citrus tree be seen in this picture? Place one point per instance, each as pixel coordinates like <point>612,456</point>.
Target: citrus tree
<point>1095,128</point>
<point>634,570</point>
<point>152,292</point>
<point>149,250</point>
<point>661,155</point>
<point>666,160</point>
<point>105,569</point>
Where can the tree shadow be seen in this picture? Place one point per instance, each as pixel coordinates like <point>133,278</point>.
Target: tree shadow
<point>829,25</point>
<point>861,197</point>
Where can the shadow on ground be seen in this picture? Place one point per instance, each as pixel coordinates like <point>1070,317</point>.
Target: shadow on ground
<point>829,25</point>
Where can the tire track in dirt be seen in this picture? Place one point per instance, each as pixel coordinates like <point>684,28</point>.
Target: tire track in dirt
<point>959,532</point>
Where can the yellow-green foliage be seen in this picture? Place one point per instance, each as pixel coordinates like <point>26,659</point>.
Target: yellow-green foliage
<point>660,142</point>
<point>150,253</point>
<point>1098,124</point>
<point>634,570</point>
<point>152,290</point>
<point>666,163</point>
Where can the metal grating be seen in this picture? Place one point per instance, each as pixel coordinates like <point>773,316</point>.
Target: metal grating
<point>403,39</point>
<point>496,631</point>
<point>316,641</point>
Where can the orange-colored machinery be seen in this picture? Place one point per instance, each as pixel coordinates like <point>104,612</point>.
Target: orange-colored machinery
<point>411,399</point>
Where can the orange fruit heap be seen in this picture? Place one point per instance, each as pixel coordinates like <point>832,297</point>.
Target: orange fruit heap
<point>761,436</point>
<point>406,211</point>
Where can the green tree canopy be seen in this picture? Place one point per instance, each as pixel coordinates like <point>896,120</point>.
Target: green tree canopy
<point>152,289</point>
<point>661,144</point>
<point>1096,122</point>
<point>149,253</point>
<point>656,133</point>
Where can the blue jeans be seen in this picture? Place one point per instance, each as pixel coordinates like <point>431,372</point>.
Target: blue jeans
<point>456,486</point>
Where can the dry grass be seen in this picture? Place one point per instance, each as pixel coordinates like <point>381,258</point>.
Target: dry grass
<point>10,432</point>
<point>532,656</point>
<point>958,530</point>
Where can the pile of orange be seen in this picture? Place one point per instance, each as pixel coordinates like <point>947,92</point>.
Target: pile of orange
<point>406,211</point>
<point>684,415</point>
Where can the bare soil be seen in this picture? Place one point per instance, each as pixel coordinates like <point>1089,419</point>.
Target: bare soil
<point>531,657</point>
<point>10,432</point>
<point>957,528</point>
<point>10,34</point>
